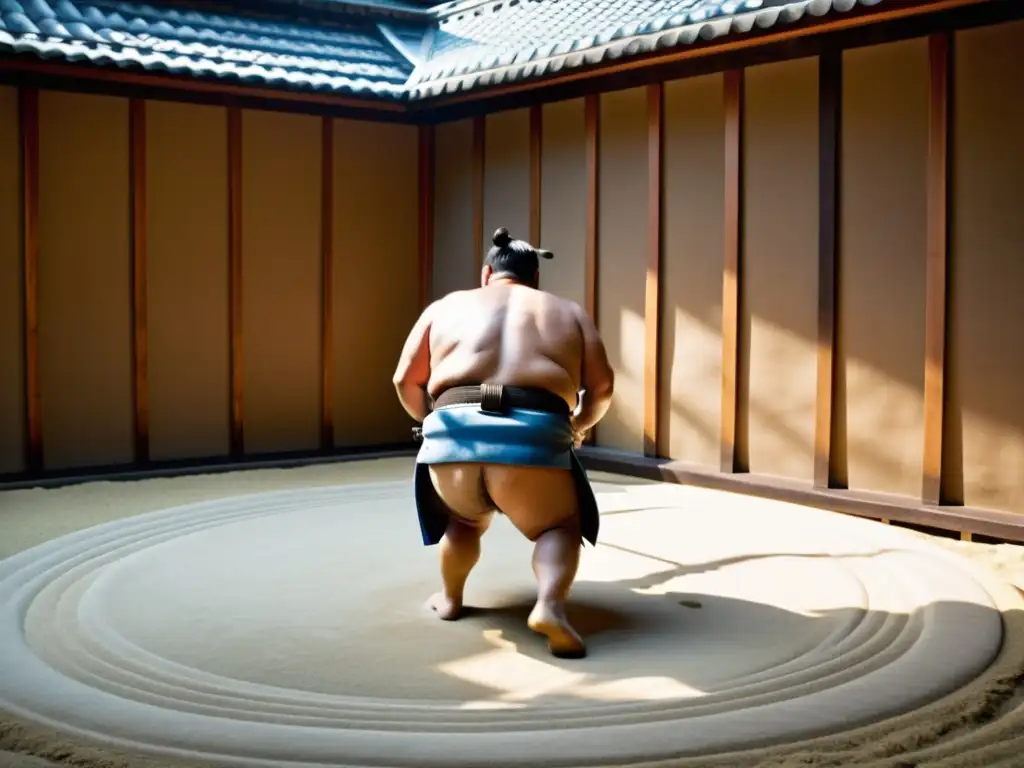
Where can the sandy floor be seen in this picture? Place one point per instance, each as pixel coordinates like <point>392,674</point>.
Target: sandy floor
<point>980,725</point>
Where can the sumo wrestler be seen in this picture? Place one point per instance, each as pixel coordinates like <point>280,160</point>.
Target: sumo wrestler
<point>506,380</point>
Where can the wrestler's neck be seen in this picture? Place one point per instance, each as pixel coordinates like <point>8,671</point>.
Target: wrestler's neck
<point>506,280</point>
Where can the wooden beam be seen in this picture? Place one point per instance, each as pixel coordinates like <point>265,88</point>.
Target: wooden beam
<point>479,171</point>
<point>327,284</point>
<point>592,113</point>
<point>1008,526</point>
<point>536,169</point>
<point>937,264</point>
<point>139,263</point>
<point>731,269</point>
<point>235,279</point>
<point>426,213</point>
<point>652,291</point>
<point>28,109</point>
<point>830,76</point>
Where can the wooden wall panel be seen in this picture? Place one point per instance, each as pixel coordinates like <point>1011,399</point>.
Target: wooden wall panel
<point>12,306</point>
<point>985,420</point>
<point>281,295</point>
<point>375,276</point>
<point>454,246</point>
<point>691,282</point>
<point>780,253</point>
<point>622,260</point>
<point>563,199</point>
<point>882,240</point>
<point>507,175</point>
<point>84,280</point>
<point>187,289</point>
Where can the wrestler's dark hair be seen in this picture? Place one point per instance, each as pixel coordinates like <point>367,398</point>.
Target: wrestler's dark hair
<point>514,258</point>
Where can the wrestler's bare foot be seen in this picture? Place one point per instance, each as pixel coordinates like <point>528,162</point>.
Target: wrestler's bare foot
<point>445,607</point>
<point>549,620</point>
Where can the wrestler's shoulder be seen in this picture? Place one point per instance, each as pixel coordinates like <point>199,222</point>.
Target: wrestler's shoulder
<point>562,304</point>
<point>449,299</point>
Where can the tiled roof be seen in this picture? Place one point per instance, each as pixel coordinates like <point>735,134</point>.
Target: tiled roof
<point>485,42</point>
<point>396,49</point>
<point>353,58</point>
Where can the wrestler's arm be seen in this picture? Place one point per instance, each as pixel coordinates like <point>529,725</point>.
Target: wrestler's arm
<point>413,371</point>
<point>598,378</point>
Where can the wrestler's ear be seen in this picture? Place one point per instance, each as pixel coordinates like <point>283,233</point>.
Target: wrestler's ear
<point>485,274</point>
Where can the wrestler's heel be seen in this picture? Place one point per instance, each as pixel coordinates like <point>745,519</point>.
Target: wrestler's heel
<point>563,641</point>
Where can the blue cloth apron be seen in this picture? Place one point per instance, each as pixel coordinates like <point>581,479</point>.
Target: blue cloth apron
<point>518,437</point>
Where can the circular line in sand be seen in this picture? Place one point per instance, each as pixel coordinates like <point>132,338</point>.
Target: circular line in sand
<point>289,628</point>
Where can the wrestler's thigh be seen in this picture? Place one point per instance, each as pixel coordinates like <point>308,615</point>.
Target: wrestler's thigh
<point>461,487</point>
<point>535,499</point>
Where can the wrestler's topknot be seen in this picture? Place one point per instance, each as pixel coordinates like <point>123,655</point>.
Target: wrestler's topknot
<point>516,258</point>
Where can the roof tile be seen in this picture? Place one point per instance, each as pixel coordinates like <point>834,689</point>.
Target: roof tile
<point>455,46</point>
<point>482,42</point>
<point>351,59</point>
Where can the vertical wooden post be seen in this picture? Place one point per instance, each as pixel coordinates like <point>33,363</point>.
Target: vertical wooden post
<point>652,297</point>
<point>479,137</point>
<point>591,117</point>
<point>592,107</point>
<point>235,278</point>
<point>426,212</point>
<point>327,284</point>
<point>830,81</point>
<point>940,57</point>
<point>28,109</point>
<point>140,314</point>
<point>536,170</point>
<point>731,269</point>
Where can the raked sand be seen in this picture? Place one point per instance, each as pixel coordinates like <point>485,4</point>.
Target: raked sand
<point>275,617</point>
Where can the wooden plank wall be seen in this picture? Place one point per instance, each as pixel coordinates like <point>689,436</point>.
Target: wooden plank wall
<point>803,269</point>
<point>199,282</point>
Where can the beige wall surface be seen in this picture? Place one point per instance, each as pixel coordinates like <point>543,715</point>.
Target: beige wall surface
<point>187,280</point>
<point>454,249</point>
<point>622,260</point>
<point>986,418</point>
<point>691,280</point>
<point>12,306</point>
<point>85,317</point>
<point>281,294</point>
<point>883,228</point>
<point>84,280</point>
<point>376,276</point>
<point>780,263</point>
<point>563,198</point>
<point>506,175</point>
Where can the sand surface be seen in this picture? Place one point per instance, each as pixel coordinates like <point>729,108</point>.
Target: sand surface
<point>980,723</point>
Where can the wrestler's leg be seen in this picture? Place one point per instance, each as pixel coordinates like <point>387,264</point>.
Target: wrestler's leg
<point>542,504</point>
<point>460,486</point>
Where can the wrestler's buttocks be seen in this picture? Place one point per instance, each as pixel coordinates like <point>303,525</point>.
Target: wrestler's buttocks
<point>506,379</point>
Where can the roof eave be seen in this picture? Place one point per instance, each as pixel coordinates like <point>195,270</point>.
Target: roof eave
<point>628,54</point>
<point>13,65</point>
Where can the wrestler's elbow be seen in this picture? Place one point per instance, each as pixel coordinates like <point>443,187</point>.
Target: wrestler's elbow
<point>408,377</point>
<point>600,388</point>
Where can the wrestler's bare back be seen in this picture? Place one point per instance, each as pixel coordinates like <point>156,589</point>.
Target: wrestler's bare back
<point>508,334</point>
